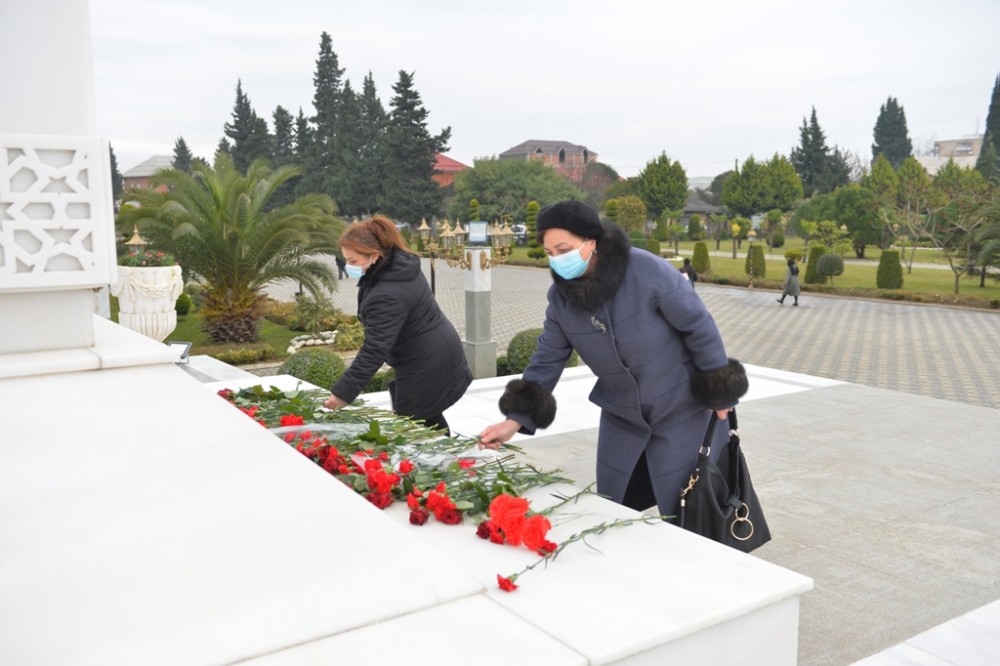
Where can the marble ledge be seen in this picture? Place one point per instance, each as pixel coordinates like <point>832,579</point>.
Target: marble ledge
<point>114,347</point>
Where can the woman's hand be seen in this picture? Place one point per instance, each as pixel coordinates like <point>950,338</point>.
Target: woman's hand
<point>498,433</point>
<point>334,403</point>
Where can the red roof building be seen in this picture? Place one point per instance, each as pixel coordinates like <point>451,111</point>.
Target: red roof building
<point>445,169</point>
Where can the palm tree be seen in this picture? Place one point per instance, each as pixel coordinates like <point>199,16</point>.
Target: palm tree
<point>218,224</point>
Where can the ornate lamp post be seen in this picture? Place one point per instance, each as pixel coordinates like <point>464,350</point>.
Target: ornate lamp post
<point>430,245</point>
<point>735,228</point>
<point>751,236</point>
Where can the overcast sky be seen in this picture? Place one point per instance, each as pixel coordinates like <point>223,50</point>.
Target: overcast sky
<point>706,81</point>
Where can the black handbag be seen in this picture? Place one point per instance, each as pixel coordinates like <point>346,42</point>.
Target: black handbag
<point>719,501</point>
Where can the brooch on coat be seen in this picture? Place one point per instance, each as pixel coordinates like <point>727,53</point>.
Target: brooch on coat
<point>599,325</point>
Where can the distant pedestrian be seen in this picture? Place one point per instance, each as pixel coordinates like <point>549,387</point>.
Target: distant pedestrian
<point>791,283</point>
<point>341,267</point>
<point>689,272</point>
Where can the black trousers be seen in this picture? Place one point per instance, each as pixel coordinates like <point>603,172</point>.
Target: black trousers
<point>639,493</point>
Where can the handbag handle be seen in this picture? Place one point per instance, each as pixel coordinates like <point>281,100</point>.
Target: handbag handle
<point>706,444</point>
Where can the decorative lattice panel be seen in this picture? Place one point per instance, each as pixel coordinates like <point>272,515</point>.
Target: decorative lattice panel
<point>56,218</point>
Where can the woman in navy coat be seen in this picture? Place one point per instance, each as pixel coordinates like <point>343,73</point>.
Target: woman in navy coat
<point>658,356</point>
<point>404,327</point>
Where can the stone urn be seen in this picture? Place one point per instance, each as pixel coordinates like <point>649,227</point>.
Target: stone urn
<point>147,298</point>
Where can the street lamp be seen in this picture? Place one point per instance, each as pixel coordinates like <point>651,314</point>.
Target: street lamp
<point>136,243</point>
<point>431,246</point>
<point>735,228</point>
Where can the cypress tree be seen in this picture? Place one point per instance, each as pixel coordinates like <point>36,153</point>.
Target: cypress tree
<point>347,180</point>
<point>988,162</point>
<point>812,273</point>
<point>182,156</point>
<point>701,260</point>
<point>117,181</point>
<point>411,152</point>
<point>891,136</point>
<point>284,137</point>
<point>371,148</point>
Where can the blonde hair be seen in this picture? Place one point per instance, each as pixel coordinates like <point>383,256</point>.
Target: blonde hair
<point>376,235</point>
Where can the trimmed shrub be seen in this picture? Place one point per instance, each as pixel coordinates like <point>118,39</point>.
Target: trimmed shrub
<point>611,210</point>
<point>778,239</point>
<point>317,365</point>
<point>890,271</point>
<point>350,336</point>
<point>755,258</point>
<point>380,381</point>
<point>653,246</point>
<point>701,260</point>
<point>242,355</point>
<point>812,274</point>
<point>523,345</point>
<point>793,254</point>
<point>502,368</point>
<point>829,265</point>
<point>183,305</point>
<point>641,243</point>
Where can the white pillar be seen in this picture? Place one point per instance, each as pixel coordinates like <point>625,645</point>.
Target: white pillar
<point>56,214</point>
<point>480,349</point>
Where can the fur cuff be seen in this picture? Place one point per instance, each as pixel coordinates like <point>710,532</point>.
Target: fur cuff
<point>529,398</point>
<point>722,388</point>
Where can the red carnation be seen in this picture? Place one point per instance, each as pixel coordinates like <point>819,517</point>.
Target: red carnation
<point>508,513</point>
<point>418,516</point>
<point>292,420</point>
<point>485,529</point>
<point>405,466</point>
<point>466,463</point>
<point>506,584</point>
<point>534,530</point>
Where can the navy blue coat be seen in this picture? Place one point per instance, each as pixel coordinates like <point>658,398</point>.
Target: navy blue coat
<point>405,328</point>
<point>659,359</point>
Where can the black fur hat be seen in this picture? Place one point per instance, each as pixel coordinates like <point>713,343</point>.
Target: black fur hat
<point>574,216</point>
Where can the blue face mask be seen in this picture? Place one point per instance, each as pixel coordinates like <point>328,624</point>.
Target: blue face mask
<point>570,265</point>
<point>357,271</point>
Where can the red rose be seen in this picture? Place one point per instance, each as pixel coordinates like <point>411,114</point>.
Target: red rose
<point>292,420</point>
<point>413,501</point>
<point>405,466</point>
<point>534,530</point>
<point>506,584</point>
<point>484,530</point>
<point>451,517</point>
<point>418,516</point>
<point>381,500</point>
<point>497,537</point>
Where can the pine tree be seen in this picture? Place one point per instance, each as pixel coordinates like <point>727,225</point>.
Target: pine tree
<point>891,136</point>
<point>318,164</point>
<point>182,156</point>
<point>117,181</point>
<point>663,185</point>
<point>821,168</point>
<point>411,152</point>
<point>223,147</point>
<point>250,137</point>
<point>988,162</point>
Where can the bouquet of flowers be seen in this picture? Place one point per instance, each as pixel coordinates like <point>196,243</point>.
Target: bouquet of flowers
<point>388,459</point>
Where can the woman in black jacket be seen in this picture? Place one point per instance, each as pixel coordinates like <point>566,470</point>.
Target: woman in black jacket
<point>404,327</point>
